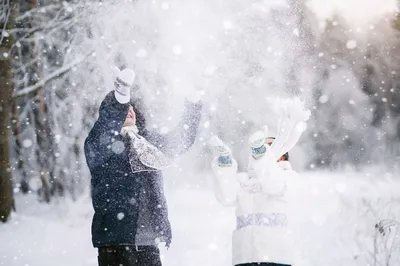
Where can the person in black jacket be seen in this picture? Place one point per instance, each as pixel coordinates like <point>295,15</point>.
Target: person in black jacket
<point>125,161</point>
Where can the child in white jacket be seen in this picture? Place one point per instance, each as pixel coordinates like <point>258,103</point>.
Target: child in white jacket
<point>262,196</point>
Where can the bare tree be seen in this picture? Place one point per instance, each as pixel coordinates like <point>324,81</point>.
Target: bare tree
<point>43,38</point>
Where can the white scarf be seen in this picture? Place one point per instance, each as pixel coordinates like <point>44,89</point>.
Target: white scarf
<point>129,129</point>
<point>143,156</point>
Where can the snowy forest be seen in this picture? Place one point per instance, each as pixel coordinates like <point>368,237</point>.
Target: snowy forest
<point>57,63</point>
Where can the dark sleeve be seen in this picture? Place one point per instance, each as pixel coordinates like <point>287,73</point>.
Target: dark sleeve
<point>112,116</point>
<point>182,137</point>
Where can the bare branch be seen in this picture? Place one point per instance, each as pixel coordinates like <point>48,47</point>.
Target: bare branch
<point>38,9</point>
<point>24,30</point>
<point>3,32</point>
<point>23,67</point>
<point>50,77</point>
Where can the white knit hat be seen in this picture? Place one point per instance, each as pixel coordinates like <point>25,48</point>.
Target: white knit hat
<point>123,84</point>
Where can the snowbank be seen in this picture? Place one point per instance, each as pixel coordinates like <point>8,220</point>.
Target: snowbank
<point>337,213</point>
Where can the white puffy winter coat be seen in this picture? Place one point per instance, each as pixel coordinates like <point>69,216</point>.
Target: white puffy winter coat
<point>264,196</point>
<point>262,209</point>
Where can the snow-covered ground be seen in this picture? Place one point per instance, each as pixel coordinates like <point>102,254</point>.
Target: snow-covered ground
<point>337,213</point>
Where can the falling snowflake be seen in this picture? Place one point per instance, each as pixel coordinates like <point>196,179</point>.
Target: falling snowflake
<point>323,99</point>
<point>118,147</point>
<point>351,44</point>
<point>120,216</point>
<point>27,143</point>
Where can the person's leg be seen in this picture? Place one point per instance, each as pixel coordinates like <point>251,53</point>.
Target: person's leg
<point>149,256</point>
<point>117,256</point>
<point>108,256</point>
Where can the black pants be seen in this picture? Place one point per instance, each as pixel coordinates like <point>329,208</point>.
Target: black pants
<point>129,256</point>
<point>263,264</point>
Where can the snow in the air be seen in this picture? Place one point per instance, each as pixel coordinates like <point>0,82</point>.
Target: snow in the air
<point>235,54</point>
<point>165,5</point>
<point>351,44</point>
<point>177,49</point>
<point>228,25</point>
<point>27,143</point>
<point>141,53</point>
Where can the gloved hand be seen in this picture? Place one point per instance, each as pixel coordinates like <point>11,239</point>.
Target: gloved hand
<point>123,84</point>
<point>257,142</point>
<point>225,157</point>
<point>219,146</point>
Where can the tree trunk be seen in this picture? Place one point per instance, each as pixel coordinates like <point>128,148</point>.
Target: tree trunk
<point>6,85</point>
<point>44,138</point>
<point>44,155</point>
<point>44,150</point>
<point>16,130</point>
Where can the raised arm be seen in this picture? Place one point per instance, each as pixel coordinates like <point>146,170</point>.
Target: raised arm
<point>263,161</point>
<point>112,115</point>
<point>292,115</point>
<point>226,186</point>
<point>182,137</point>
<point>224,167</point>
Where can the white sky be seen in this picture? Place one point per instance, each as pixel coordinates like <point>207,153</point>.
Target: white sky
<point>355,11</point>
